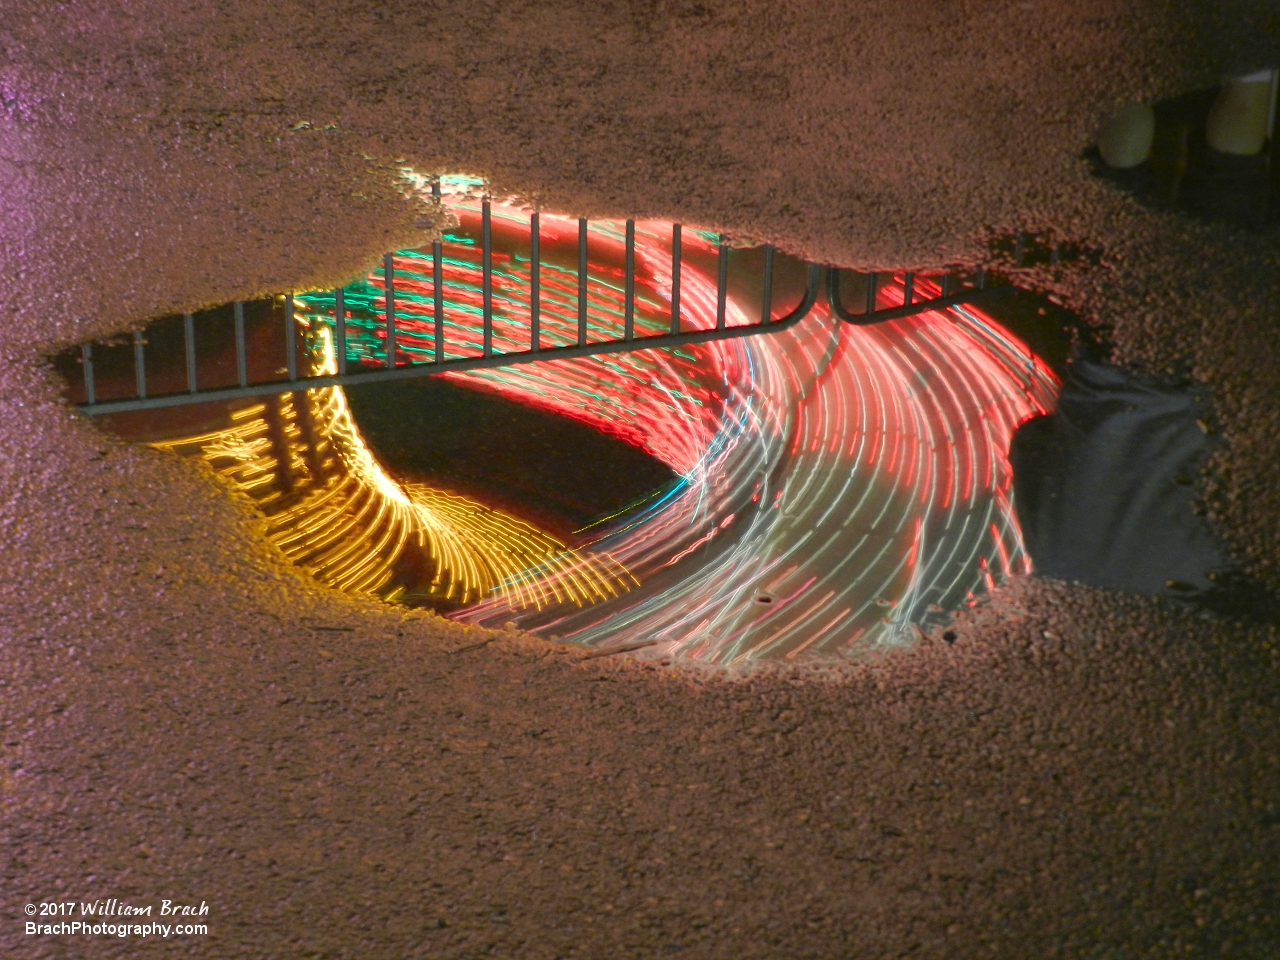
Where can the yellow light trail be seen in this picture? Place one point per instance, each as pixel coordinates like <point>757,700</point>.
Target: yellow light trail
<point>336,512</point>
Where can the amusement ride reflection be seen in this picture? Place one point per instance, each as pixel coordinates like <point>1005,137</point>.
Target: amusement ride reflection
<point>840,487</point>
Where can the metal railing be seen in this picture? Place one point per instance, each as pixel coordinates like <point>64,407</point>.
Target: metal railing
<point>246,386</point>
<point>910,306</point>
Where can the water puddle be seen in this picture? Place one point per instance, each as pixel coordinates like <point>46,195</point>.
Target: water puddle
<point>820,492</point>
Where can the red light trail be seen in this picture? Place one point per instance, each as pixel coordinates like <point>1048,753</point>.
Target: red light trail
<point>840,484</point>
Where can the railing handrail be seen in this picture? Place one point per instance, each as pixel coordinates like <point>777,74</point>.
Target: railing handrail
<point>536,352</point>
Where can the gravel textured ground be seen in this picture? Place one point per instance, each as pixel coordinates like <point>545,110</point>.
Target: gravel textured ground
<point>1078,775</point>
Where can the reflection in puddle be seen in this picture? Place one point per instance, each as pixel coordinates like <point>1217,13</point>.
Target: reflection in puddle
<point>839,487</point>
<point>334,511</point>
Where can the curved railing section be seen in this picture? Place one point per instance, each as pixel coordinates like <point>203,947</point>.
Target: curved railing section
<point>267,363</point>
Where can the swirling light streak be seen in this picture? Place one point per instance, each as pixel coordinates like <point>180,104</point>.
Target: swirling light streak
<point>333,510</point>
<point>854,477</point>
<point>839,485</point>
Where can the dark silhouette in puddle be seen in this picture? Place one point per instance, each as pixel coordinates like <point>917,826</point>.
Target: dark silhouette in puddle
<point>555,472</point>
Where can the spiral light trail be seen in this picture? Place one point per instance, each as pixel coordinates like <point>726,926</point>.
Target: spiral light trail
<point>840,485</point>
<point>332,509</point>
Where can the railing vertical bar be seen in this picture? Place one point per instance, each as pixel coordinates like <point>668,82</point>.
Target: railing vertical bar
<point>675,278</point>
<point>437,288</point>
<point>290,339</point>
<point>86,354</point>
<point>340,328</point>
<point>1020,248</point>
<point>140,364</point>
<point>980,279</point>
<point>873,280</point>
<point>722,284</point>
<point>486,259</point>
<point>946,284</point>
<point>582,281</point>
<point>189,343</point>
<point>389,292</point>
<point>766,303</point>
<point>908,288</point>
<point>535,284</point>
<point>437,282</point>
<point>629,317</point>
<point>242,360</point>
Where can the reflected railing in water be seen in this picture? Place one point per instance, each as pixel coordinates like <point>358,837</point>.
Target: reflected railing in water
<point>854,477</point>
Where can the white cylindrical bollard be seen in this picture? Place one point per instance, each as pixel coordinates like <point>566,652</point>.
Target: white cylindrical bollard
<point>1125,139</point>
<point>1243,116</point>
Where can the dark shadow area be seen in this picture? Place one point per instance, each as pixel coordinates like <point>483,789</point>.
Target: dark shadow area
<point>1053,333</point>
<point>550,470</point>
<point>1105,492</point>
<point>1106,487</point>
